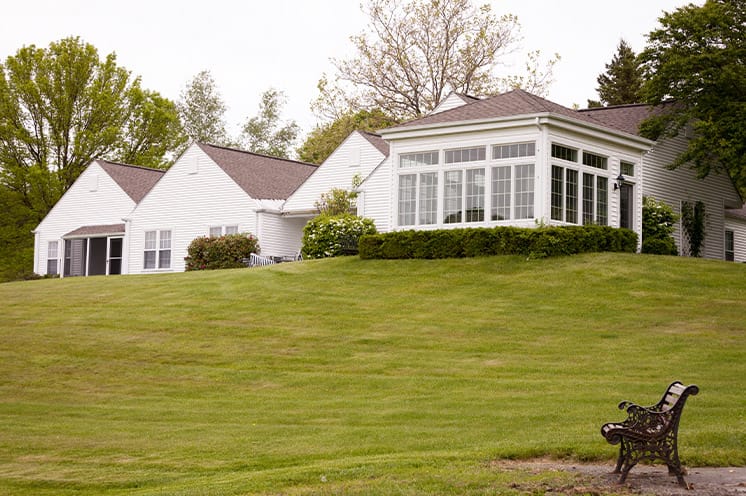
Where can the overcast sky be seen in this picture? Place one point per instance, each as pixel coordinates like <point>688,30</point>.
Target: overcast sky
<point>250,46</point>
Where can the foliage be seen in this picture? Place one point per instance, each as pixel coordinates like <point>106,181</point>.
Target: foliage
<point>658,224</point>
<point>325,138</point>
<point>696,58</point>
<point>265,133</point>
<point>532,243</point>
<point>362,377</point>
<point>16,243</point>
<point>334,235</point>
<point>414,53</point>
<point>339,201</point>
<point>220,252</point>
<point>622,82</point>
<point>202,110</point>
<point>60,108</point>
<point>693,225</point>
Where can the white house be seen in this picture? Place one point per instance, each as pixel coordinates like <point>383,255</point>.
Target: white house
<point>513,159</point>
<point>84,232</point>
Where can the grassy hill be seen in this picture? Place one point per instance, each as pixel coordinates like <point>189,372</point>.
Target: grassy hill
<point>359,377</point>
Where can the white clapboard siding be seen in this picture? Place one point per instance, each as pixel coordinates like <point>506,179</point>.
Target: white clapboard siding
<point>451,101</point>
<point>280,236</point>
<point>377,196</point>
<point>674,186</point>
<point>356,155</point>
<point>192,196</point>
<point>93,199</point>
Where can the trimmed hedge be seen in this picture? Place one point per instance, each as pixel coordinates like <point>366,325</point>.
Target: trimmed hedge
<point>221,252</point>
<point>530,242</point>
<point>334,235</point>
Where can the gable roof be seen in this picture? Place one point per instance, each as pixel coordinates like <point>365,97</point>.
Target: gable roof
<point>512,103</point>
<point>625,118</point>
<point>134,180</point>
<point>260,176</point>
<point>376,140</point>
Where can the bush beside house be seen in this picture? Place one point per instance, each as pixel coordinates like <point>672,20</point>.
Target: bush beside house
<point>334,235</point>
<point>658,222</point>
<point>532,243</point>
<point>222,252</point>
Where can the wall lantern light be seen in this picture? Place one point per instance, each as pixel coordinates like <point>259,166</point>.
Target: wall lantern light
<point>618,182</point>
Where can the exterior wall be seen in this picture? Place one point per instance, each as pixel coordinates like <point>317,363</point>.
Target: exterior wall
<point>193,195</point>
<point>738,226</point>
<point>380,189</point>
<point>675,186</point>
<point>451,101</point>
<point>280,236</point>
<point>93,199</point>
<point>356,155</point>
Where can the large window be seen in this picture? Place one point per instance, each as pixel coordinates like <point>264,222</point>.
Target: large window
<point>53,258</point>
<point>157,253</point>
<point>460,191</point>
<point>564,201</point>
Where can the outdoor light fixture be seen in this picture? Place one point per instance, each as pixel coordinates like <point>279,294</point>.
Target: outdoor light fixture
<point>618,182</point>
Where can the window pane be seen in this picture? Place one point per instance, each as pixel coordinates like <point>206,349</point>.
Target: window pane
<point>150,237</point>
<point>465,155</point>
<point>149,261</point>
<point>501,193</point>
<point>593,160</point>
<point>164,259</point>
<point>165,240</point>
<point>514,150</point>
<point>407,199</point>
<point>231,229</point>
<point>524,191</point>
<point>588,180</point>
<point>452,195</point>
<point>564,153</point>
<point>627,169</point>
<point>418,159</point>
<point>558,180</point>
<point>571,196</point>
<point>429,198</point>
<point>216,231</point>
<point>475,195</point>
<point>602,201</point>
<point>52,249</point>
<point>52,266</point>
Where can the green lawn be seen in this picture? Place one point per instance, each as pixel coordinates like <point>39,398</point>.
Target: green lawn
<point>360,377</point>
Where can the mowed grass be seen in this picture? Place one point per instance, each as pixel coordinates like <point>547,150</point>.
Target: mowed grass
<point>346,376</point>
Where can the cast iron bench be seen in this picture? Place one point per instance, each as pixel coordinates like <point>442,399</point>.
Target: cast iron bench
<point>650,433</point>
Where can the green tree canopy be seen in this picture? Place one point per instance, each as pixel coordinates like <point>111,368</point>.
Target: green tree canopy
<point>622,82</point>
<point>324,139</point>
<point>415,52</point>
<point>202,110</point>
<point>697,58</point>
<point>265,133</point>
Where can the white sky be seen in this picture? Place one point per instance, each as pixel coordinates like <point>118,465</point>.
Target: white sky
<point>250,46</point>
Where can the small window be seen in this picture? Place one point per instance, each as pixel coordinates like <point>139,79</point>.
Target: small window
<point>231,229</point>
<point>593,160</point>
<point>418,159</point>
<point>564,153</point>
<point>216,231</point>
<point>157,250</point>
<point>730,246</point>
<point>627,169</point>
<point>52,258</point>
<point>466,155</point>
<point>514,150</point>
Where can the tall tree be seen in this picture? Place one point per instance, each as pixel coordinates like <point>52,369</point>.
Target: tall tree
<point>622,82</point>
<point>265,133</point>
<point>202,110</point>
<point>697,58</point>
<point>62,107</point>
<point>415,52</point>
<point>325,138</point>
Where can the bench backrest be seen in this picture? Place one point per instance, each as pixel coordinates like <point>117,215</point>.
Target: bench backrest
<point>675,396</point>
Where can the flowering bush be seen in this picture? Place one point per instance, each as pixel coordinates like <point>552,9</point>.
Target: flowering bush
<point>658,222</point>
<point>334,235</point>
<point>222,252</point>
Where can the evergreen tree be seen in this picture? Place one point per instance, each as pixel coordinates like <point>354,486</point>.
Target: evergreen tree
<point>622,82</point>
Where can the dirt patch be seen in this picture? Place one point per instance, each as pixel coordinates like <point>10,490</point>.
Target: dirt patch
<point>597,479</point>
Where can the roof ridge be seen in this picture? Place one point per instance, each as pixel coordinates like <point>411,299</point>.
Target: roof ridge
<point>611,107</point>
<point>141,167</point>
<point>238,150</point>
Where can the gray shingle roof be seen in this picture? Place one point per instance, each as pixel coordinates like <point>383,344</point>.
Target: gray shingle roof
<point>512,103</point>
<point>135,181</point>
<point>100,230</point>
<point>260,176</point>
<point>625,118</point>
<point>376,140</point>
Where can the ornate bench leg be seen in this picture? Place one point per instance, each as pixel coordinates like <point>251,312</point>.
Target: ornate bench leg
<point>619,461</point>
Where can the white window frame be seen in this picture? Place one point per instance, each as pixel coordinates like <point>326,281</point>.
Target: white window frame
<point>217,231</point>
<point>53,255</point>
<point>159,244</point>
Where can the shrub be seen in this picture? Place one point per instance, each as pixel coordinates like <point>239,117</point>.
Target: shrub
<point>658,221</point>
<point>222,252</point>
<point>334,235</point>
<point>533,243</point>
